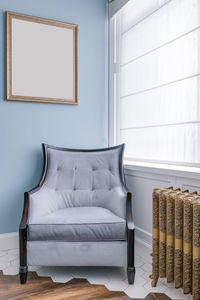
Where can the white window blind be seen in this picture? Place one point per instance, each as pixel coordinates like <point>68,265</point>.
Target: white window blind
<point>158,80</point>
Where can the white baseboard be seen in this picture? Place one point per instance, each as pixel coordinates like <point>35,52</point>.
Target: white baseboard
<point>9,241</point>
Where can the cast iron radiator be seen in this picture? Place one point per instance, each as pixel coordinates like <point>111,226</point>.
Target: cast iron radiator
<point>176,239</point>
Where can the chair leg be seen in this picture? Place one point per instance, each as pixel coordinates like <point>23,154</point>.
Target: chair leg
<point>131,257</point>
<point>131,275</point>
<point>23,272</point>
<point>23,269</point>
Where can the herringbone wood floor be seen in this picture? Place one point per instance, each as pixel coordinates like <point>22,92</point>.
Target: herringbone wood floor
<point>43,288</point>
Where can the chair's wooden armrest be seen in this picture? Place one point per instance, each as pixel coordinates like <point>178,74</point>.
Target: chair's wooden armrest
<point>129,214</point>
<point>25,214</point>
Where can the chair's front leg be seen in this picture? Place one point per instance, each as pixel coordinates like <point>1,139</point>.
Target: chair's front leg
<point>23,269</point>
<point>130,240</point>
<point>23,230</point>
<point>131,257</point>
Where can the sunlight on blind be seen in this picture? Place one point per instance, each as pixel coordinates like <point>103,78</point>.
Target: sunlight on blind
<point>160,80</point>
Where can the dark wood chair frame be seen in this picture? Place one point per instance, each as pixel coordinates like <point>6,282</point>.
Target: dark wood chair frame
<point>23,228</point>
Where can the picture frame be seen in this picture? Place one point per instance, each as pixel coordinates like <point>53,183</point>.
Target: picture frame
<point>41,60</point>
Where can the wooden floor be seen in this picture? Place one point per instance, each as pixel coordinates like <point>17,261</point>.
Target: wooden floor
<point>41,288</point>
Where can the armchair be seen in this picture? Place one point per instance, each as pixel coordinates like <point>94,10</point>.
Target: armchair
<point>80,214</point>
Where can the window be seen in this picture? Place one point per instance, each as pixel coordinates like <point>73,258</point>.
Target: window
<point>155,80</point>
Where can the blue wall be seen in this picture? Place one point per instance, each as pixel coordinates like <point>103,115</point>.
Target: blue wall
<point>24,126</point>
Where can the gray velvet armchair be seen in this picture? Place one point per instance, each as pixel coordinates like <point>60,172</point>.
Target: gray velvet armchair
<point>80,214</point>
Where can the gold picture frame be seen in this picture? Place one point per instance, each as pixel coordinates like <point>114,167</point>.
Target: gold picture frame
<point>41,60</point>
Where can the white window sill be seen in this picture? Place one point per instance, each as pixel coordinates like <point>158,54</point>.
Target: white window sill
<point>181,171</point>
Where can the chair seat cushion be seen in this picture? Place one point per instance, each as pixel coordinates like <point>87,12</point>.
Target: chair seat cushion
<point>78,224</point>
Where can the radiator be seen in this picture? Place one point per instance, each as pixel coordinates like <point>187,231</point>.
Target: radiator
<point>176,239</point>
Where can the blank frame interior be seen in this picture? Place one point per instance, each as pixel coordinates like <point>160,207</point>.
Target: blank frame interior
<point>41,60</point>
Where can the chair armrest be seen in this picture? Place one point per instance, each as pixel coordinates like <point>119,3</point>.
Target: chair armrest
<point>25,214</point>
<point>24,219</point>
<point>129,214</point>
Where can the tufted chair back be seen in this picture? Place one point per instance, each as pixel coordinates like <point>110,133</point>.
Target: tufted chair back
<point>84,178</point>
